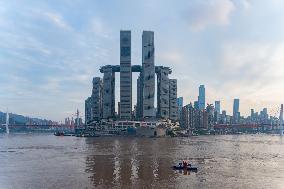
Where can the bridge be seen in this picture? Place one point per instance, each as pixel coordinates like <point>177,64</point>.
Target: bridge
<point>134,68</point>
<point>37,127</point>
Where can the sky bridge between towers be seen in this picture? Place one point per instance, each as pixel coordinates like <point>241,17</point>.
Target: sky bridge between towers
<point>134,68</point>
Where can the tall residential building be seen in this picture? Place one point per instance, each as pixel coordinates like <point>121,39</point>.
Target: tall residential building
<point>139,105</point>
<point>236,110</point>
<point>173,99</point>
<point>224,117</point>
<point>217,111</point>
<point>118,111</point>
<point>201,97</point>
<point>88,112</point>
<point>195,105</point>
<point>163,98</point>
<point>252,114</point>
<point>218,107</point>
<point>96,99</point>
<point>125,76</point>
<point>179,105</point>
<point>148,69</point>
<point>108,93</point>
<point>187,117</point>
<point>210,114</point>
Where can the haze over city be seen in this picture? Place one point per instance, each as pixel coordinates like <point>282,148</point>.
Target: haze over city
<point>50,51</point>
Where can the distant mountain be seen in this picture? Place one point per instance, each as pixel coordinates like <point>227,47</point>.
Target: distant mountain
<point>20,119</point>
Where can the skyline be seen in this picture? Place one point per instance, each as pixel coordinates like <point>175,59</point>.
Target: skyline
<point>51,51</point>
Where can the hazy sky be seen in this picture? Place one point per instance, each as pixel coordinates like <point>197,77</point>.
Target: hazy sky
<point>50,50</point>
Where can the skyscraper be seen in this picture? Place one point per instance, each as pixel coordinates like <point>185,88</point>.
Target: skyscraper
<point>224,117</point>
<point>139,105</point>
<point>217,111</point>
<point>218,107</point>
<point>96,99</point>
<point>173,99</point>
<point>104,90</point>
<point>195,105</point>
<point>148,69</point>
<point>179,105</point>
<point>163,98</point>
<point>236,111</point>
<point>125,75</point>
<point>88,111</point>
<point>252,115</point>
<point>108,93</point>
<point>201,97</point>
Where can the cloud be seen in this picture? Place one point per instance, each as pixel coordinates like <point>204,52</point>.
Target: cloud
<point>57,20</point>
<point>171,57</point>
<point>237,57</point>
<point>246,4</point>
<point>200,14</point>
<point>98,27</point>
<point>55,49</point>
<point>253,60</point>
<point>251,71</point>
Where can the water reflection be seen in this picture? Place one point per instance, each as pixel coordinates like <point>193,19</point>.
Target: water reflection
<point>244,161</point>
<point>130,162</point>
<point>137,162</point>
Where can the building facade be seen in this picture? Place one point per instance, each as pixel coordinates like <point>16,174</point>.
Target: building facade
<point>180,105</point>
<point>103,95</point>
<point>201,97</point>
<point>217,111</point>
<point>139,104</point>
<point>96,99</point>
<point>236,110</point>
<point>125,76</point>
<point>173,100</point>
<point>163,95</point>
<point>148,70</point>
<point>108,93</point>
<point>88,112</point>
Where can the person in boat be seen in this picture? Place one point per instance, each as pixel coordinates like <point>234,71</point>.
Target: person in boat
<point>184,162</point>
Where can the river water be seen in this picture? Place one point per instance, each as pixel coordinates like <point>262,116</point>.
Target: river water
<point>230,161</point>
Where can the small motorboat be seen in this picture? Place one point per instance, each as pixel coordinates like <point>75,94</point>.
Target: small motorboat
<point>59,133</point>
<point>188,168</point>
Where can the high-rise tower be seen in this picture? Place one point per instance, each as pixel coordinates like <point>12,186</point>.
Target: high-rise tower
<point>96,99</point>
<point>201,97</point>
<point>217,110</point>
<point>236,110</point>
<point>125,76</point>
<point>148,69</point>
<point>88,111</point>
<point>108,93</point>
<point>180,106</point>
<point>139,105</point>
<point>163,92</point>
<point>173,99</point>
